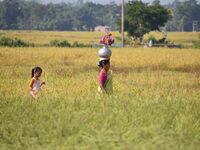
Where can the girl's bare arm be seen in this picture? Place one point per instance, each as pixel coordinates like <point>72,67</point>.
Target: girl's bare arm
<point>31,84</point>
<point>43,83</point>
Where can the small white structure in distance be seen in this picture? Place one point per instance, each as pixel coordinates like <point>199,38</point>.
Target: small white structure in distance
<point>102,28</point>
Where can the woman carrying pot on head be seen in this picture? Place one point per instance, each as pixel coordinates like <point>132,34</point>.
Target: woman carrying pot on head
<point>105,77</point>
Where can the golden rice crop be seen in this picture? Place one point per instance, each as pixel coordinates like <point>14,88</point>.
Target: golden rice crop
<point>155,104</point>
<point>133,68</point>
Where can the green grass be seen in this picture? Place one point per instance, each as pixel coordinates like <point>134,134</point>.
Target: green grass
<point>155,105</point>
<point>118,122</point>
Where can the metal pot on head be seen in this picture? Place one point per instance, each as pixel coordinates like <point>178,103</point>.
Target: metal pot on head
<point>104,53</point>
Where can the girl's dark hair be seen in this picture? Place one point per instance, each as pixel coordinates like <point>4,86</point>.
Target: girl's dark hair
<point>35,70</point>
<point>103,62</point>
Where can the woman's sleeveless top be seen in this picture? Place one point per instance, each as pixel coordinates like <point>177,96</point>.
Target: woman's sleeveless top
<point>108,84</point>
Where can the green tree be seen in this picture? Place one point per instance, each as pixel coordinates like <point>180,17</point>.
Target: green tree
<point>188,11</point>
<point>32,15</point>
<point>142,18</point>
<point>184,13</point>
<point>156,2</point>
<point>10,11</point>
<point>175,24</point>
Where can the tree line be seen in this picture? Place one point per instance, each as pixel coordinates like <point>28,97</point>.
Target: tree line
<point>183,15</point>
<point>31,15</point>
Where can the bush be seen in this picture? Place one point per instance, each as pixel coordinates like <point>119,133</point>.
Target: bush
<point>197,43</point>
<point>5,41</point>
<point>65,43</point>
<point>163,40</point>
<point>127,40</point>
<point>76,44</point>
<point>60,43</point>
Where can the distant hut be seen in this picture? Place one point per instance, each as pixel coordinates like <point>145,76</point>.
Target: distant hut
<point>102,28</point>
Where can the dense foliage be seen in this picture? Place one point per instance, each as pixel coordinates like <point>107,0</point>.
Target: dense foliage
<point>142,18</point>
<point>20,14</point>
<point>9,42</point>
<point>184,13</point>
<point>84,16</point>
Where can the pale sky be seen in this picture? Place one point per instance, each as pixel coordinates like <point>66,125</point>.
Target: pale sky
<point>104,1</point>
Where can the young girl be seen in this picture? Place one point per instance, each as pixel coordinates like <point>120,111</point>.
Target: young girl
<point>105,77</point>
<point>35,85</point>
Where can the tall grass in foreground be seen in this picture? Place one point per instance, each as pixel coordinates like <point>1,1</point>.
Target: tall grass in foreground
<point>155,104</point>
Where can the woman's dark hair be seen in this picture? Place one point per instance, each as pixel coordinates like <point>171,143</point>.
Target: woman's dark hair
<point>35,70</point>
<point>103,63</point>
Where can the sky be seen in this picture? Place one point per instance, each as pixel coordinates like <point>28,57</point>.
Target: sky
<point>104,1</point>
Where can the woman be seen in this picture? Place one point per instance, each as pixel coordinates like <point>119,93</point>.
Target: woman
<point>105,77</point>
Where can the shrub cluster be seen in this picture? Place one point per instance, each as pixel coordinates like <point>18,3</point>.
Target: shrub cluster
<point>5,41</point>
<point>160,41</point>
<point>58,43</point>
<point>65,43</point>
<point>197,43</point>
